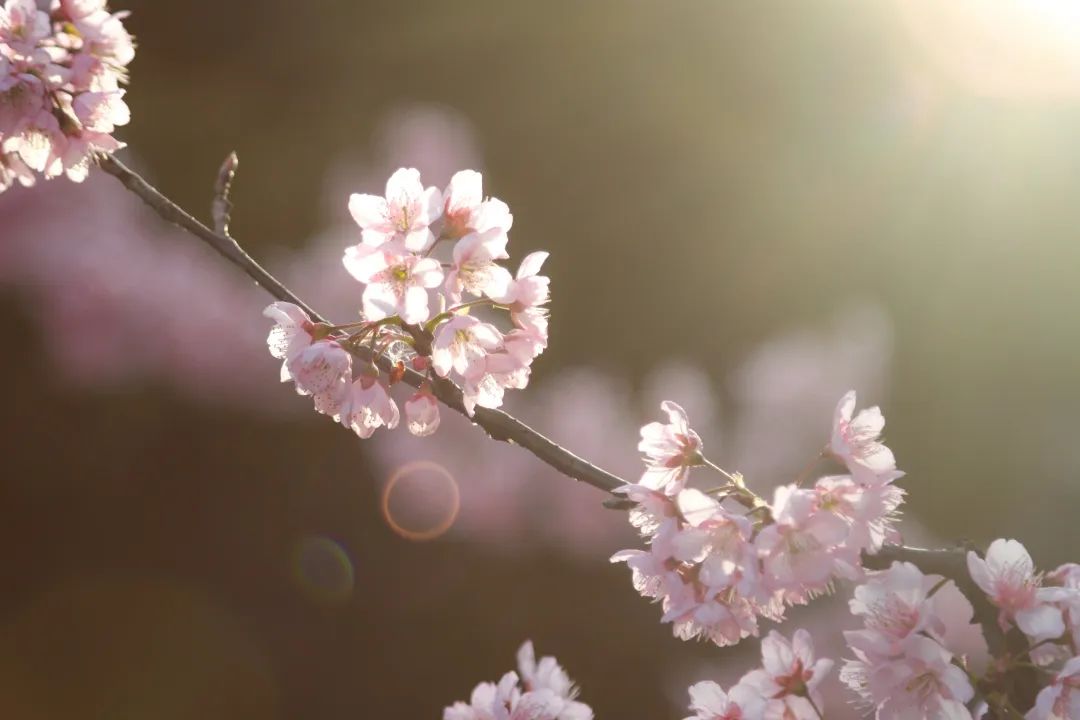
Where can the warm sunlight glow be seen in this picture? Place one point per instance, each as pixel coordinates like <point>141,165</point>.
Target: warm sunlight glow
<point>1001,48</point>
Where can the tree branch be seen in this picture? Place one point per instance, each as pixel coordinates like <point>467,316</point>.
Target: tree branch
<point>950,563</point>
<point>496,423</point>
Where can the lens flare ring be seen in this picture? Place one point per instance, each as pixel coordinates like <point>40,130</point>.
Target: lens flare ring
<point>444,524</point>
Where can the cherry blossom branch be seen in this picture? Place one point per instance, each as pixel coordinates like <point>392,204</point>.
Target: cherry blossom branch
<point>499,425</point>
<point>496,423</point>
<point>950,563</point>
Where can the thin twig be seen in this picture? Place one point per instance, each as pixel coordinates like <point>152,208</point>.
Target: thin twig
<point>225,246</point>
<point>221,207</point>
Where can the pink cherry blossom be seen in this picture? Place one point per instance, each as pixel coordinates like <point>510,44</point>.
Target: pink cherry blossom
<point>331,400</point>
<point>483,389</point>
<point>322,369</point>
<point>101,112</point>
<point>651,509</point>
<point>855,440</point>
<point>489,701</point>
<point>698,574</point>
<point>474,269</point>
<point>895,606</point>
<point>798,550</point>
<point>466,211</point>
<point>1060,700</point>
<point>547,674</point>
<point>902,662</point>
<point>319,367</point>
<point>709,702</point>
<point>403,216</point>
<point>23,98</point>
<point>670,449</point>
<point>292,332</point>
<point>720,541</point>
<point>367,407</point>
<point>39,144</point>
<point>1067,579</point>
<point>528,289</point>
<point>461,345</point>
<point>545,693</point>
<point>1007,575</point>
<point>717,564</point>
<point>649,571</point>
<point>869,512</point>
<point>530,336</point>
<point>507,370</point>
<point>422,414</point>
<point>396,282</point>
<point>12,170</point>
<point>106,37</point>
<point>79,9</point>
<point>22,26</point>
<point>60,73</point>
<point>694,611</point>
<point>790,676</point>
<point>923,682</point>
<point>74,152</point>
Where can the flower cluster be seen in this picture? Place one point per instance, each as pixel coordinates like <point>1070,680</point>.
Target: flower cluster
<point>718,560</point>
<point>903,664</point>
<point>785,686</point>
<point>537,691</point>
<point>1046,609</point>
<point>907,662</point>
<point>403,278</point>
<point>1007,575</point>
<point>60,96</point>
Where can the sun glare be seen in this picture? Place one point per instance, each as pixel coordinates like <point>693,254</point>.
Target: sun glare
<point>1001,48</point>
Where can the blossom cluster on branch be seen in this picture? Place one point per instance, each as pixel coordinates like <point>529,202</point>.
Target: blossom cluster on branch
<point>396,262</point>
<point>60,96</point>
<point>718,560</point>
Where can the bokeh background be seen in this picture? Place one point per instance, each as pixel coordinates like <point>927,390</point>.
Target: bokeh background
<point>751,207</point>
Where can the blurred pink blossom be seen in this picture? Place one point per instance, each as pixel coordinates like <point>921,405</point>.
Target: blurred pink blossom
<point>121,297</point>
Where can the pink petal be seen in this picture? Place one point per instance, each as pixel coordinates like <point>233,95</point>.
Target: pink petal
<point>531,264</point>
<point>369,211</point>
<point>364,261</point>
